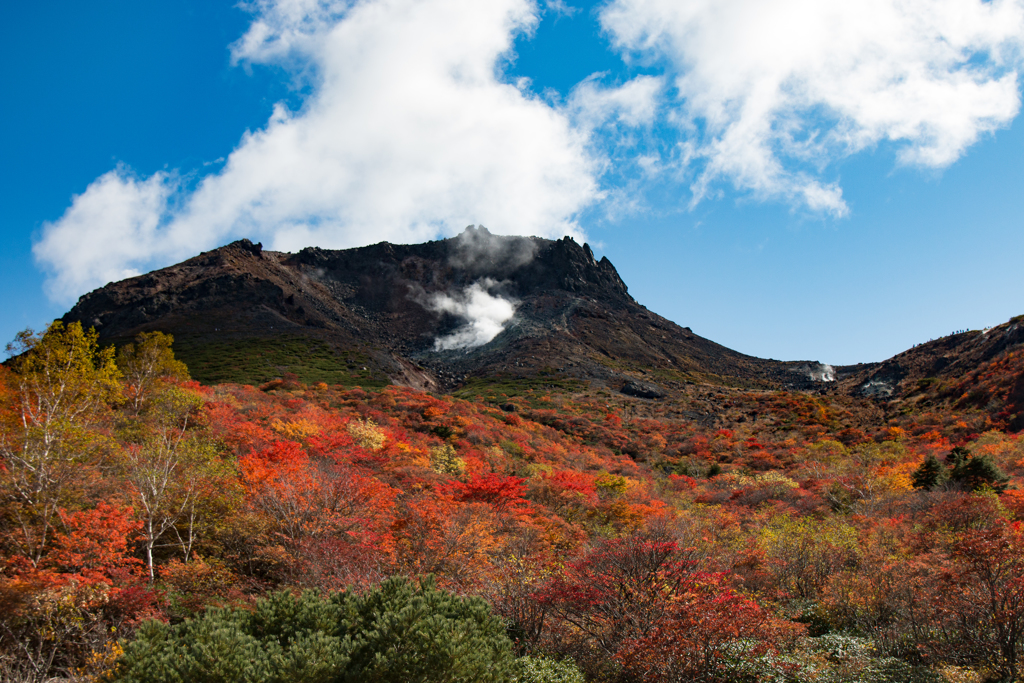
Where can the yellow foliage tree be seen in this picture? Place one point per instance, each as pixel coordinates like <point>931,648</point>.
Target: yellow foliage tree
<point>63,384</point>
<point>145,363</point>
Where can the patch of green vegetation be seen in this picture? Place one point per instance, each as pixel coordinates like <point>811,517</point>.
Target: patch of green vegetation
<point>612,363</point>
<point>496,389</point>
<point>257,360</point>
<point>675,375</point>
<point>398,631</point>
<point>693,377</point>
<point>672,375</point>
<point>1017,319</point>
<point>511,447</point>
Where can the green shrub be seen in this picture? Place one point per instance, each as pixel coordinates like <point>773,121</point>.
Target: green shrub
<point>930,475</point>
<point>400,631</point>
<point>403,633</point>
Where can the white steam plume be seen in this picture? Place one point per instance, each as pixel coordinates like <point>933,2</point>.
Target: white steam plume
<point>476,248</point>
<point>486,315</point>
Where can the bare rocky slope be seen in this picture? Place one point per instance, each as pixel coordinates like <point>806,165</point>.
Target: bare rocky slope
<point>371,316</point>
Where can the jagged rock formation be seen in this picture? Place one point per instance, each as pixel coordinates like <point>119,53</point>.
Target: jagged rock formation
<point>366,316</point>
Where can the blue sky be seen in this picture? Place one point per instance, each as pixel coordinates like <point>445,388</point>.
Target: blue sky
<point>793,180</point>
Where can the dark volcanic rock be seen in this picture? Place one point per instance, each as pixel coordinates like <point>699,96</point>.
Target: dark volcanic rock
<point>642,390</point>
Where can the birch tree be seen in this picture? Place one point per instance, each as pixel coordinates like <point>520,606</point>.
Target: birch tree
<point>168,471</point>
<point>145,364</point>
<point>62,386</point>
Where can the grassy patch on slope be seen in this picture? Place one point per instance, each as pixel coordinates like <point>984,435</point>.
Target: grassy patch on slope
<point>256,361</point>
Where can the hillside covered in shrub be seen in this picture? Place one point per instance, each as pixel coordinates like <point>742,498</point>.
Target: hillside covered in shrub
<point>570,531</point>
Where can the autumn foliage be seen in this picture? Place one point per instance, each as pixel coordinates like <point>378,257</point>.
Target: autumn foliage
<point>619,535</point>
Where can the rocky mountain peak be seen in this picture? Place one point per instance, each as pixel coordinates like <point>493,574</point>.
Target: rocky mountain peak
<point>434,315</point>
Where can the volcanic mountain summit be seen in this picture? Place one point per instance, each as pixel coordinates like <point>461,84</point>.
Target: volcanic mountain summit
<point>433,315</point>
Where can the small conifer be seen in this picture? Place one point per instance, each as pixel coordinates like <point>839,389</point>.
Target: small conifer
<point>930,475</point>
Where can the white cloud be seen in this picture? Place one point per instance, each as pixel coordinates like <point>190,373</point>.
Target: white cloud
<point>560,9</point>
<point>635,103</point>
<point>485,315</point>
<point>772,91</point>
<point>408,133</point>
<point>107,229</point>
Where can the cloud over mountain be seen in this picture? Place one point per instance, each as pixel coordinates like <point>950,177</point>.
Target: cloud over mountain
<point>409,132</point>
<point>411,127</point>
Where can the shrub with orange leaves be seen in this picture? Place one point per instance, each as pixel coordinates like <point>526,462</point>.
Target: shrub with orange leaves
<point>95,545</point>
<point>315,497</point>
<point>195,585</point>
<point>617,592</point>
<point>503,493</point>
<point>706,631</point>
<point>575,486</point>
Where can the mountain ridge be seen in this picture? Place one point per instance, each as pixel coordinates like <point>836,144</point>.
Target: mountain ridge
<point>378,314</point>
<point>573,313</point>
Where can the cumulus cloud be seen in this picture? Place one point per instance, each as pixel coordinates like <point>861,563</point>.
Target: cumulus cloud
<point>485,315</point>
<point>769,92</point>
<point>106,231</point>
<point>409,133</point>
<point>409,130</point>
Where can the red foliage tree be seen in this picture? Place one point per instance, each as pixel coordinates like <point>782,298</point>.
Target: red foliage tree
<point>503,493</point>
<point>705,625</point>
<point>95,546</point>
<point>617,592</point>
<point>983,604</point>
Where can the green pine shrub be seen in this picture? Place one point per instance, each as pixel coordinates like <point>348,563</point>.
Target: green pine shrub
<point>399,631</point>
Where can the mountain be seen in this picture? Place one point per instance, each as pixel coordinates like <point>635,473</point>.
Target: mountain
<point>422,315</point>
<point>482,310</point>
